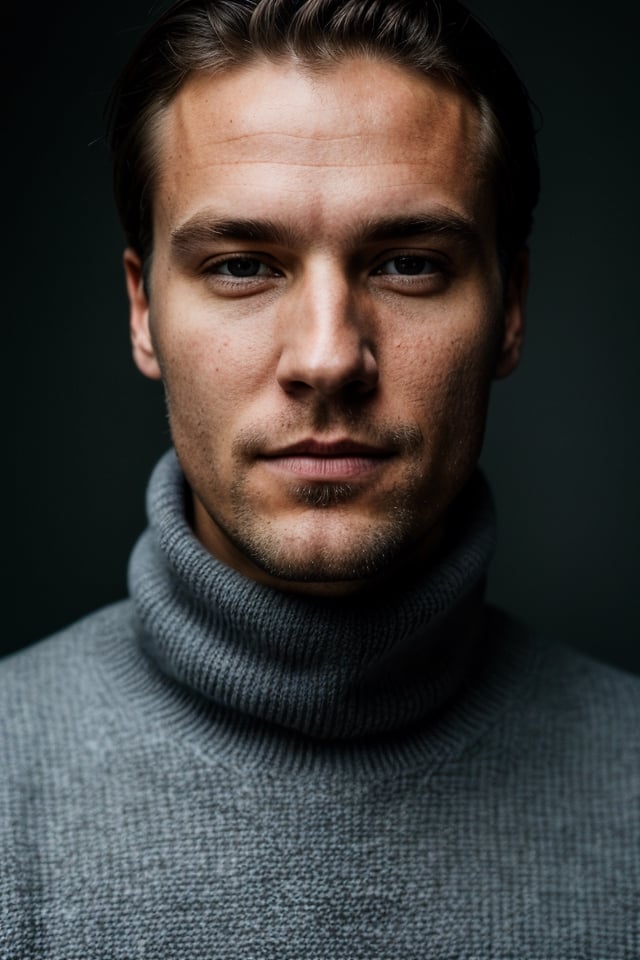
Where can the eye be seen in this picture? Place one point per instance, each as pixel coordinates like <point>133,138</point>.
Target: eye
<point>408,266</point>
<point>241,268</point>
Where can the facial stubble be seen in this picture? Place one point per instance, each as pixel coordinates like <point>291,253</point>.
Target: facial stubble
<point>365,548</point>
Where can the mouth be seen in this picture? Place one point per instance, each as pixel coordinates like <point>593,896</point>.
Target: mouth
<point>335,461</point>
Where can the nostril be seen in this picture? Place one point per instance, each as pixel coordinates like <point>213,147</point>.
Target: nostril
<point>325,343</point>
<point>327,372</point>
<point>361,385</point>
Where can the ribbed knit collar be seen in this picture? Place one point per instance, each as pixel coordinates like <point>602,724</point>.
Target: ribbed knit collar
<point>340,669</point>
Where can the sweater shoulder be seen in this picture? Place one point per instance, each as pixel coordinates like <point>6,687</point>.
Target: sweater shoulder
<point>59,674</point>
<point>578,683</point>
<point>72,641</point>
<point>575,722</point>
<point>563,680</point>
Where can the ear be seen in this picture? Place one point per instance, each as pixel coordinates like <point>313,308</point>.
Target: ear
<point>143,350</point>
<point>517,285</point>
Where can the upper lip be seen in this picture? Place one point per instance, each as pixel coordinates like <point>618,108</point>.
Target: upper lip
<point>329,448</point>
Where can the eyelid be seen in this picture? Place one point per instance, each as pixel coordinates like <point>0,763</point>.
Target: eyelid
<point>441,264</point>
<point>440,260</point>
<point>217,261</point>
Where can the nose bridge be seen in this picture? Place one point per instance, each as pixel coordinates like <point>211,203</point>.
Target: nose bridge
<point>326,339</point>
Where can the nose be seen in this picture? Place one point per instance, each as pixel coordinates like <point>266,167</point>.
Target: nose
<point>326,336</point>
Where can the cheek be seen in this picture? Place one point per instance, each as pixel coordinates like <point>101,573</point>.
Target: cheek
<point>209,369</point>
<point>447,385</point>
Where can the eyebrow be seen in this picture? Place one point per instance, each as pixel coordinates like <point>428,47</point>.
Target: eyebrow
<point>205,228</point>
<point>445,223</point>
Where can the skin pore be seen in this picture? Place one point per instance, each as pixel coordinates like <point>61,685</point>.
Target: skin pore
<point>326,312</point>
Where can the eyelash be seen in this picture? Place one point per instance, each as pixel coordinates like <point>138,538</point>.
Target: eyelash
<point>441,270</point>
<point>438,267</point>
<point>210,268</point>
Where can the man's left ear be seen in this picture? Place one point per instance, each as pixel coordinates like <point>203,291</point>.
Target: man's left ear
<point>517,285</point>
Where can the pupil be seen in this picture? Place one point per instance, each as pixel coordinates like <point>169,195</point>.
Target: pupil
<point>411,265</point>
<point>243,267</point>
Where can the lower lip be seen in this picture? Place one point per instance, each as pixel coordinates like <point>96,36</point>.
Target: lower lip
<point>326,468</point>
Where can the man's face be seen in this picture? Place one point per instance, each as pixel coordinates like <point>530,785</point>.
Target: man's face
<point>326,311</point>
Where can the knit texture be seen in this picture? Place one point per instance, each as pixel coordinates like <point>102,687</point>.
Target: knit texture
<point>213,769</point>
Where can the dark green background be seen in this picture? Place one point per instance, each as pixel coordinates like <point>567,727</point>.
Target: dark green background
<point>562,444</point>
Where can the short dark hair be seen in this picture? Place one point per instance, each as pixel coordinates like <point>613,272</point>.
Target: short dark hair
<point>436,38</point>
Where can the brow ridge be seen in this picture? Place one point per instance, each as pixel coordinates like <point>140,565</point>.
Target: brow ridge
<point>206,228</point>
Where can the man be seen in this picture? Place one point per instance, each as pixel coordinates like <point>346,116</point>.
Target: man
<point>304,736</point>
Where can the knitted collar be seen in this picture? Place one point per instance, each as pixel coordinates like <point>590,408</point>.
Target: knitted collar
<point>328,668</point>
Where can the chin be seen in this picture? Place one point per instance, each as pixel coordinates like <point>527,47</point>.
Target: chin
<point>326,548</point>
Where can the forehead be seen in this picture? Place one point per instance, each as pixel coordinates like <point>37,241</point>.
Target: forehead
<point>321,145</point>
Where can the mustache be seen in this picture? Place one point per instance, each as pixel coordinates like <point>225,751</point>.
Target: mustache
<point>392,436</point>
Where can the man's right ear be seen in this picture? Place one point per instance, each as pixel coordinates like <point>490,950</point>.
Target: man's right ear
<point>144,353</point>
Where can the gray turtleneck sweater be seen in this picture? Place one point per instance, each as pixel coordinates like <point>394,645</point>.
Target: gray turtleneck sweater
<point>216,770</point>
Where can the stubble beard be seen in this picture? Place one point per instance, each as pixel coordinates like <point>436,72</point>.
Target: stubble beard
<point>361,554</point>
<point>366,547</point>
<point>323,494</point>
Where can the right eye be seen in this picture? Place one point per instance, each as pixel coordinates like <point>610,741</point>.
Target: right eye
<point>240,268</point>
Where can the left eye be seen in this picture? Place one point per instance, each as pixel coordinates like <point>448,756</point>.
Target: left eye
<point>408,266</point>
<point>241,267</point>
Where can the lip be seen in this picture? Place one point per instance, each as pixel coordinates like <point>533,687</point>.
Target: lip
<point>342,447</point>
<point>335,461</point>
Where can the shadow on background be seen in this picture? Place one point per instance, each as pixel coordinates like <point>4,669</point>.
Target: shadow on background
<point>561,450</point>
